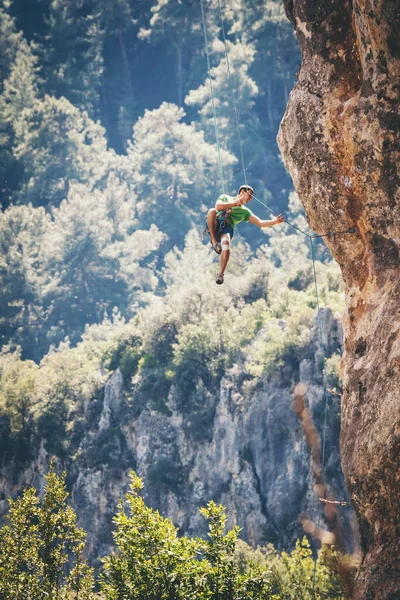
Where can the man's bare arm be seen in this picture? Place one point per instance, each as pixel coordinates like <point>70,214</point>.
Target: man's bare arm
<point>260,223</point>
<point>227,205</point>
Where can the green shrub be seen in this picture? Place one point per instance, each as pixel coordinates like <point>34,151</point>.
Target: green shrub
<point>125,354</point>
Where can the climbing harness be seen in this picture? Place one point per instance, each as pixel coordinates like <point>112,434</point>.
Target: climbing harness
<point>311,237</point>
<point>222,221</point>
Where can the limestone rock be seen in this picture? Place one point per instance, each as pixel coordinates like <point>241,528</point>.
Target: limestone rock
<point>340,142</point>
<point>112,399</point>
<point>244,447</point>
<point>240,444</point>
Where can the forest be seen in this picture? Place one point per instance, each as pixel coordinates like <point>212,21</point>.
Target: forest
<point>108,165</point>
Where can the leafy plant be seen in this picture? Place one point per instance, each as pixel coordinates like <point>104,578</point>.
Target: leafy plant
<point>41,549</point>
<point>154,563</point>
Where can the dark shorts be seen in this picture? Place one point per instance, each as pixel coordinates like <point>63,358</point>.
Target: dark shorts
<point>223,229</point>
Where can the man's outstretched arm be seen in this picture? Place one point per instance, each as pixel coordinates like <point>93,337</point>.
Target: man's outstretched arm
<point>260,223</point>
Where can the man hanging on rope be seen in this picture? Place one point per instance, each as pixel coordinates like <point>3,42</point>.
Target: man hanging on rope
<point>222,220</point>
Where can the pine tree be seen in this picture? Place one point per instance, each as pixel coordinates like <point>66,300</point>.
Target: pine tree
<point>264,26</point>
<point>22,275</point>
<point>177,170</point>
<point>177,24</point>
<point>71,54</point>
<point>19,89</point>
<point>10,40</point>
<point>41,549</point>
<point>117,19</point>
<point>57,145</point>
<point>245,91</point>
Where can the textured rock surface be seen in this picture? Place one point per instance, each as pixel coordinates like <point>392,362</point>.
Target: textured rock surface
<point>340,142</point>
<point>244,447</point>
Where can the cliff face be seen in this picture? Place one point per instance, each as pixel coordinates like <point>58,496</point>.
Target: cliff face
<point>241,445</point>
<point>339,139</point>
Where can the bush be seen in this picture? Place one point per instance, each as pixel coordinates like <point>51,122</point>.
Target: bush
<point>125,354</point>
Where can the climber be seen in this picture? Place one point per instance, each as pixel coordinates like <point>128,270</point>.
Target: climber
<point>222,220</point>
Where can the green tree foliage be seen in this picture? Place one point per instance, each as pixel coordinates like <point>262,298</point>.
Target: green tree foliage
<point>16,392</point>
<point>10,40</point>
<point>296,574</point>
<point>71,53</point>
<point>105,259</point>
<point>265,25</point>
<point>42,556</point>
<point>115,15</point>
<point>187,337</point>
<point>19,91</point>
<point>41,549</point>
<point>174,167</point>
<point>62,273</point>
<point>57,145</point>
<point>20,88</point>
<point>253,31</point>
<point>245,89</point>
<point>22,274</point>
<point>153,563</point>
<point>119,94</point>
<point>47,403</point>
<point>98,247</point>
<point>276,59</point>
<point>191,336</point>
<point>177,25</point>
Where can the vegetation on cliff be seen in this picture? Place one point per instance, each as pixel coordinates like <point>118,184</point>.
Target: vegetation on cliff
<point>262,321</point>
<point>41,556</point>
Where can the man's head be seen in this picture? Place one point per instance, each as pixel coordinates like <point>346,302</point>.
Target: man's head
<point>246,192</point>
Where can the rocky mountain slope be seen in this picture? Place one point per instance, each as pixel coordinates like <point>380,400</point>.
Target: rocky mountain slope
<point>340,142</point>
<point>241,445</point>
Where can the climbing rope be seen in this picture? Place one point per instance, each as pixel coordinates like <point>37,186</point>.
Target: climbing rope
<point>221,169</point>
<point>232,92</point>
<point>311,237</point>
<point>287,222</point>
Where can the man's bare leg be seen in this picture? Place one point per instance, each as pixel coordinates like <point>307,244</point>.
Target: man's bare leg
<point>225,254</point>
<point>212,225</point>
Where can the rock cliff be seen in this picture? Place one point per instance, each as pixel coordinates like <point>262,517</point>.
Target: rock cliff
<point>240,444</point>
<point>340,142</point>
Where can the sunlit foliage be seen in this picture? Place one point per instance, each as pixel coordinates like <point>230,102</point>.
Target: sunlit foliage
<point>41,548</point>
<point>153,563</point>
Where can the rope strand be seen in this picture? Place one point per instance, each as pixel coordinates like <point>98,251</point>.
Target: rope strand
<point>288,222</point>
<point>232,93</point>
<point>221,169</point>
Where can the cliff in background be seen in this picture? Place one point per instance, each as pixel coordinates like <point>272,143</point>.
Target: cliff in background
<point>241,445</point>
<point>339,139</point>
